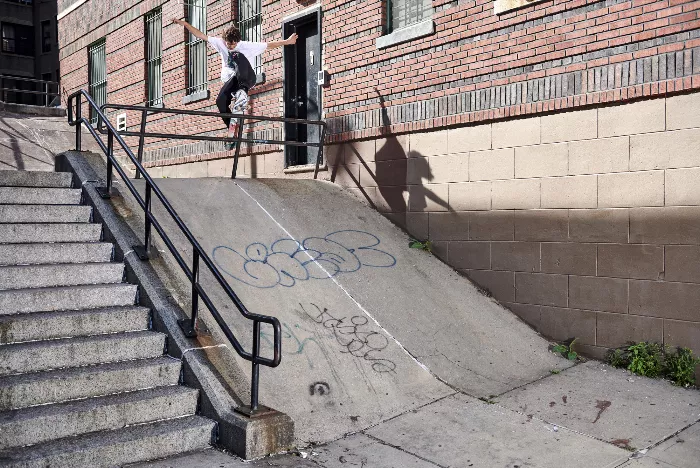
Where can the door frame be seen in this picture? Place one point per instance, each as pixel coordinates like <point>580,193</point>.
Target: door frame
<point>301,17</point>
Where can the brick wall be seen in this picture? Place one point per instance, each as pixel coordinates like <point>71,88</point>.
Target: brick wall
<point>584,223</point>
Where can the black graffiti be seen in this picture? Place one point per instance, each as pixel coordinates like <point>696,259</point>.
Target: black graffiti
<point>287,261</point>
<point>319,388</point>
<point>355,337</point>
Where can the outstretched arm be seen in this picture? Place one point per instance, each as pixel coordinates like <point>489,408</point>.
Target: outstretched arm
<point>195,32</point>
<point>289,41</point>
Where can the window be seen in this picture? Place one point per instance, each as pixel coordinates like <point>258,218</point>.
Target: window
<point>196,48</point>
<point>97,75</point>
<point>402,13</point>
<point>17,39</point>
<point>250,24</point>
<point>46,36</point>
<point>154,52</point>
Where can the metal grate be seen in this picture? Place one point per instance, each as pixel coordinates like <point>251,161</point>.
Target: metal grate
<point>154,53</point>
<point>404,13</point>
<point>250,24</point>
<point>196,48</point>
<point>97,75</point>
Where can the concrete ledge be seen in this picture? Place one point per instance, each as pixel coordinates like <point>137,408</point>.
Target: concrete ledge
<point>32,110</point>
<point>194,97</point>
<point>305,168</point>
<point>409,33</point>
<point>214,370</point>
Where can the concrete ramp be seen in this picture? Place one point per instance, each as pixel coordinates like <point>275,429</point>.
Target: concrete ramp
<point>371,328</point>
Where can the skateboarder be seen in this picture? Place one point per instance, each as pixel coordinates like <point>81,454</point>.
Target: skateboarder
<point>237,74</point>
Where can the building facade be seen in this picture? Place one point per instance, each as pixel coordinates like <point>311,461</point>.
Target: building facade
<point>29,49</point>
<point>549,150</point>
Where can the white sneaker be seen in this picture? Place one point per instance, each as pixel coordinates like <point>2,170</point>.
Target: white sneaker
<point>240,101</point>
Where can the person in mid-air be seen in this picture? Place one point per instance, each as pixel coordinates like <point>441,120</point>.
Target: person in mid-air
<point>237,73</point>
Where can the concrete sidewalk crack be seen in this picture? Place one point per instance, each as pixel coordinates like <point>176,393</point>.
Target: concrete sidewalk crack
<point>401,449</point>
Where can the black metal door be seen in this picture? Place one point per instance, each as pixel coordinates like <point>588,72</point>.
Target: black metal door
<point>302,93</point>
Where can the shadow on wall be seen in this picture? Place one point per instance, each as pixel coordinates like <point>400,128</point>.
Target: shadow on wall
<point>388,191</point>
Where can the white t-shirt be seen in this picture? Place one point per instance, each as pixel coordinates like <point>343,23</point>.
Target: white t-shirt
<point>249,49</point>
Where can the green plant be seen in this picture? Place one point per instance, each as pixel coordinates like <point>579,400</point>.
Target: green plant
<point>646,359</point>
<point>566,350</point>
<point>555,371</point>
<point>680,367</point>
<point>421,245</point>
<point>618,358</point>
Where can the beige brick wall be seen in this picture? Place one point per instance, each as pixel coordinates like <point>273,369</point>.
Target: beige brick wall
<point>586,223</point>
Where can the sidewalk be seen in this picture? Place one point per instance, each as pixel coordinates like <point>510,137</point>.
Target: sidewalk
<point>588,416</point>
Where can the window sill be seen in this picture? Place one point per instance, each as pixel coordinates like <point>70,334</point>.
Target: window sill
<point>198,96</point>
<point>409,33</point>
<point>305,168</point>
<point>156,106</point>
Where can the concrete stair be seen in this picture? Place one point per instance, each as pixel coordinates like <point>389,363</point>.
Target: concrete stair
<point>83,380</point>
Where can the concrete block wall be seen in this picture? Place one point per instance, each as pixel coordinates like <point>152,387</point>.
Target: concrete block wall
<point>584,223</point>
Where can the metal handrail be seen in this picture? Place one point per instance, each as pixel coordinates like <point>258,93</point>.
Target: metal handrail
<point>238,139</point>
<point>188,325</point>
<point>3,90</point>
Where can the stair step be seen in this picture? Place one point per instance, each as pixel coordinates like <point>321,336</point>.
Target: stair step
<point>35,179</point>
<point>20,391</point>
<point>35,233</point>
<point>66,298</point>
<point>45,213</point>
<point>41,276</point>
<point>36,356</point>
<point>18,328</point>
<point>43,423</point>
<point>79,252</point>
<point>39,196</point>
<point>116,448</point>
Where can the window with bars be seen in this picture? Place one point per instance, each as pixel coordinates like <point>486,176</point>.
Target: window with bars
<point>402,13</point>
<point>97,75</point>
<point>154,53</point>
<point>250,24</point>
<point>196,48</point>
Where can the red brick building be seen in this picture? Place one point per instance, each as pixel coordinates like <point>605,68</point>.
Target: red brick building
<point>550,149</point>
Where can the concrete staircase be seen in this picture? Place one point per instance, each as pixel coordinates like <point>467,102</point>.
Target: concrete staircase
<point>83,382</point>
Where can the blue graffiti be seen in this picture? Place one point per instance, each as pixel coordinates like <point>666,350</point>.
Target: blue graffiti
<point>287,261</point>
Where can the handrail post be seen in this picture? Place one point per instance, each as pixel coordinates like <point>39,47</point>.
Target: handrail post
<point>144,250</point>
<point>142,137</point>
<point>319,156</point>
<point>78,118</point>
<point>106,192</point>
<point>189,325</point>
<point>239,135</point>
<point>255,377</point>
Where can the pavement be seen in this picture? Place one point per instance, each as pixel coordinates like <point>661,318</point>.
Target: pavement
<point>588,416</point>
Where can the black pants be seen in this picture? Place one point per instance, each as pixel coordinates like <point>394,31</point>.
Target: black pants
<point>223,101</point>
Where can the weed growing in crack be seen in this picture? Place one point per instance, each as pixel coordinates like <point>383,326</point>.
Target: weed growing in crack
<point>653,360</point>
<point>566,349</point>
<point>421,245</point>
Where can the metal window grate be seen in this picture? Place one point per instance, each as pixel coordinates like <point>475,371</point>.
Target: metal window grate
<point>250,24</point>
<point>196,48</point>
<point>402,13</point>
<point>154,53</point>
<point>97,75</point>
